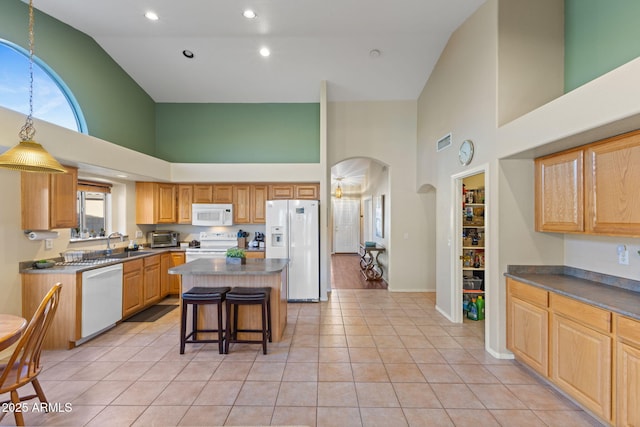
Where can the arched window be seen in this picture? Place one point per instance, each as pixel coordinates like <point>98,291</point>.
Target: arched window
<point>52,99</point>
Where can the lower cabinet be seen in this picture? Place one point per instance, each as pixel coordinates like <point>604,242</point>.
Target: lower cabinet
<point>170,283</point>
<point>628,371</point>
<point>151,280</point>
<point>132,292</point>
<point>528,325</point>
<point>577,353</point>
<point>254,254</point>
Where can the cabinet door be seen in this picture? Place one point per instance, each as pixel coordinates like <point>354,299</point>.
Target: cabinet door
<point>223,193</point>
<point>35,201</point>
<point>281,191</point>
<point>255,254</point>
<point>151,279</point>
<point>259,194</point>
<point>528,336</point>
<point>581,364</point>
<point>612,176</point>
<point>166,204</point>
<point>132,292</point>
<point>559,192</point>
<point>306,191</point>
<point>241,205</point>
<point>628,396</point>
<point>175,280</point>
<point>64,195</point>
<point>166,262</point>
<point>202,193</point>
<point>185,199</point>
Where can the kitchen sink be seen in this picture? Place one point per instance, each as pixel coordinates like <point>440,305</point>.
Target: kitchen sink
<point>129,254</point>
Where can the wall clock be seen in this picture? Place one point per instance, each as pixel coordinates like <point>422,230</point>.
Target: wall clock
<point>465,153</point>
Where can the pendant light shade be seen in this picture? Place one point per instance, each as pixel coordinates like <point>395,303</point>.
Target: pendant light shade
<point>28,155</point>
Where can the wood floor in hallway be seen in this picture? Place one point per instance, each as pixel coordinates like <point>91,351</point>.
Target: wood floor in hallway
<point>345,274</point>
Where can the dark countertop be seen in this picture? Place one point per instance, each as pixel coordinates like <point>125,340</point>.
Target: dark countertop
<point>611,293</point>
<point>26,267</point>
<point>219,266</point>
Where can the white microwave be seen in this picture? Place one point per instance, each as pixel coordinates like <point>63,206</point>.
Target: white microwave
<point>212,214</point>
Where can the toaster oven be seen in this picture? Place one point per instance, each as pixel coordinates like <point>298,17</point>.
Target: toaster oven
<point>163,238</point>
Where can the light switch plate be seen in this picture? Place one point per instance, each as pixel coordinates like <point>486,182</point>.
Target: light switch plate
<point>138,234</point>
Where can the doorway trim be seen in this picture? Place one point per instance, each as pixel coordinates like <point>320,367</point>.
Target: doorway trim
<point>456,246</point>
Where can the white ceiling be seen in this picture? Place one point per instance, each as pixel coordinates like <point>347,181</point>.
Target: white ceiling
<point>310,41</point>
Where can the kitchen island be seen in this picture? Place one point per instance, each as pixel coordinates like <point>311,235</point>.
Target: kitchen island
<point>256,273</point>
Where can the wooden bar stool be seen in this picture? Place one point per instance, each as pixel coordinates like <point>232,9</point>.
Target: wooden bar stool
<point>202,296</point>
<point>248,296</point>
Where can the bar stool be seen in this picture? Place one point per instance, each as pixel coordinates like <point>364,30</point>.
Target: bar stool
<point>202,296</point>
<point>248,296</point>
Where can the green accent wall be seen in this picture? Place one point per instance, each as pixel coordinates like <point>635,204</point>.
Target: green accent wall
<point>115,108</point>
<point>600,35</point>
<point>238,133</point>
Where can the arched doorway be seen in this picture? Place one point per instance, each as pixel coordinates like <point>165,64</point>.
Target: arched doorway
<point>358,188</point>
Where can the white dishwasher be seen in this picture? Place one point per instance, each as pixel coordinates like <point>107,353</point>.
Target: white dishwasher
<point>101,299</point>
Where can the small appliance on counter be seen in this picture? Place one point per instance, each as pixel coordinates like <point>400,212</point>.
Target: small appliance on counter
<point>163,238</point>
<point>259,239</point>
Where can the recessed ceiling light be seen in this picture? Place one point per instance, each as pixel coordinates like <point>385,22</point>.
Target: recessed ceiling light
<point>374,53</point>
<point>265,52</point>
<point>121,175</point>
<point>249,14</point>
<point>151,16</point>
<point>188,54</point>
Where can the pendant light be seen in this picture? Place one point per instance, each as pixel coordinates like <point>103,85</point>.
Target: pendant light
<point>339,189</point>
<point>28,155</point>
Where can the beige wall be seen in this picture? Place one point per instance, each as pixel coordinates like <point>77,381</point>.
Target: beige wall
<point>386,132</point>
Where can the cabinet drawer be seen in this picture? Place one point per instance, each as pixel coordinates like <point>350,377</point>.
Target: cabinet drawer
<point>586,314</point>
<point>528,293</point>
<point>151,260</point>
<point>131,266</point>
<point>628,329</point>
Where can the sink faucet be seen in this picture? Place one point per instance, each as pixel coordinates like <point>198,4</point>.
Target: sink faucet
<point>117,234</point>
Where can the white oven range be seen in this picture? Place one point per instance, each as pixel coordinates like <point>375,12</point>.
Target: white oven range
<point>212,245</point>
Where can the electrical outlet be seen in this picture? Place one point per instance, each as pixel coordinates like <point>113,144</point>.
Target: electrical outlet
<point>138,234</point>
<point>623,255</point>
<point>48,244</point>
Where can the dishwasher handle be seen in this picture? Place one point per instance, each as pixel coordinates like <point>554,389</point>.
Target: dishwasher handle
<point>102,270</point>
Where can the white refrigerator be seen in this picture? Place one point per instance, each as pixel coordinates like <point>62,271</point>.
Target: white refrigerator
<point>293,232</point>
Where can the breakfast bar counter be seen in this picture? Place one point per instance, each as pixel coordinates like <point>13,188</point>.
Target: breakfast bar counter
<point>256,273</point>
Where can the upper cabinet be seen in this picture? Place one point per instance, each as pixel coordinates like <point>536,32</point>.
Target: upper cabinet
<point>611,183</point>
<point>163,203</point>
<point>185,199</point>
<point>559,192</point>
<point>156,203</point>
<point>294,191</point>
<point>212,193</point>
<point>592,189</point>
<point>49,200</point>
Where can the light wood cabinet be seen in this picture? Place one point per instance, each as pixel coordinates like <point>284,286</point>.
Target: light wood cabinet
<point>175,280</point>
<point>241,204</point>
<point>628,371</point>
<point>156,203</point>
<point>202,193</point>
<point>591,189</point>
<point>306,191</point>
<point>581,348</point>
<point>559,192</point>
<point>49,201</point>
<point>294,191</point>
<point>281,192</point>
<point>528,325</point>
<point>258,208</point>
<point>222,193</point>
<point>185,200</point>
<point>254,254</point>
<point>611,182</point>
<point>132,287</point>
<point>151,279</point>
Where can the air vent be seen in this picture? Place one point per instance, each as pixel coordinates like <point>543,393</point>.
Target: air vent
<point>444,142</point>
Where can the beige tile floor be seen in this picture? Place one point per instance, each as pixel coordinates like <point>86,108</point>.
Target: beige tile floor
<point>364,358</point>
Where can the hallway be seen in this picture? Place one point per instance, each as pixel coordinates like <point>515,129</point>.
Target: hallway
<point>345,274</point>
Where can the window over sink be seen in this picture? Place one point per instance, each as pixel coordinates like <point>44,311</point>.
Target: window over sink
<point>94,210</point>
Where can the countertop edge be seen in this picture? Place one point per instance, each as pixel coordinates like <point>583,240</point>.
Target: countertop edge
<point>618,300</point>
